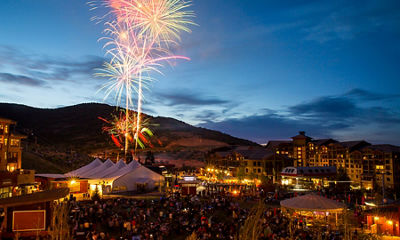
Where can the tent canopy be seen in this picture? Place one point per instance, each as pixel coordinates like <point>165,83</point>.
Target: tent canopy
<point>313,202</point>
<point>96,172</point>
<point>119,165</point>
<point>122,171</point>
<point>141,174</point>
<point>95,163</point>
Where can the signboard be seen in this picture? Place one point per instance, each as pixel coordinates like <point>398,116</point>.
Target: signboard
<point>29,220</point>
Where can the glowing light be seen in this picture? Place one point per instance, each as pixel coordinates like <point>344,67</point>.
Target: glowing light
<point>376,218</point>
<point>72,182</point>
<point>390,222</point>
<point>119,127</point>
<point>93,187</point>
<point>137,42</point>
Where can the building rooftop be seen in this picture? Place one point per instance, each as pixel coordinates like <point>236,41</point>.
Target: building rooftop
<point>385,148</point>
<point>34,198</point>
<point>354,145</point>
<point>257,154</point>
<point>275,143</point>
<point>302,135</point>
<point>320,142</point>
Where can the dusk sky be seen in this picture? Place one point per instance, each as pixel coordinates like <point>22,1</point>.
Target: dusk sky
<point>259,69</point>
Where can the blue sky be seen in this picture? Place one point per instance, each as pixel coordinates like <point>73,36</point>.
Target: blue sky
<point>259,69</point>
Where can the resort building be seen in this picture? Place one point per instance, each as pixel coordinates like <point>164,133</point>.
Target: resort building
<point>367,165</point>
<point>253,161</point>
<point>14,181</point>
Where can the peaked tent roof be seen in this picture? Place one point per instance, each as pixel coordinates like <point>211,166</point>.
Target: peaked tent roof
<point>95,163</point>
<point>98,170</point>
<point>128,168</point>
<point>313,202</point>
<point>119,165</point>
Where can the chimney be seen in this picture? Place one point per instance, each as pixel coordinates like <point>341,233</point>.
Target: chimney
<point>302,133</point>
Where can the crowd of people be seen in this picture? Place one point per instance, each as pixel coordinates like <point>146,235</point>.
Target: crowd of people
<point>209,217</point>
<point>216,217</point>
<point>277,226</point>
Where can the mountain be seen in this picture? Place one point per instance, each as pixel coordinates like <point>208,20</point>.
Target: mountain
<point>77,131</point>
<point>78,126</point>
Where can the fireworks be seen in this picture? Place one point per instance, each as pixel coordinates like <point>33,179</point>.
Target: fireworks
<point>116,128</point>
<point>138,40</point>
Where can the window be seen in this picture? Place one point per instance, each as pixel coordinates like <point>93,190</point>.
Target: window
<point>247,170</point>
<point>379,167</point>
<point>254,164</point>
<point>259,170</point>
<point>388,179</point>
<point>254,170</point>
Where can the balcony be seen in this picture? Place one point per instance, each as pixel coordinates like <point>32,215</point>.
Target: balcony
<point>17,177</point>
<point>25,176</point>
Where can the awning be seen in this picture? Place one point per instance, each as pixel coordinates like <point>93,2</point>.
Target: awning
<point>313,202</point>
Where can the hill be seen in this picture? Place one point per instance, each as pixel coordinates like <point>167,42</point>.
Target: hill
<point>74,132</point>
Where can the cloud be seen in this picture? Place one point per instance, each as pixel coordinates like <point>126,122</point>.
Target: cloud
<point>20,80</point>
<point>48,68</point>
<point>329,107</point>
<point>341,109</point>
<point>184,97</point>
<point>345,20</point>
<point>324,21</point>
<point>369,96</point>
<point>330,116</point>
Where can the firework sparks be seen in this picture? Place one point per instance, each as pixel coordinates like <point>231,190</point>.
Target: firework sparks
<point>116,128</point>
<point>138,42</point>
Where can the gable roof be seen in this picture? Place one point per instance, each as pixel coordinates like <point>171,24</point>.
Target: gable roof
<point>354,145</point>
<point>320,142</point>
<point>275,143</point>
<point>384,147</point>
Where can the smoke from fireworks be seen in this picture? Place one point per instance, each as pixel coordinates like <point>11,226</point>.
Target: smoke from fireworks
<point>139,36</point>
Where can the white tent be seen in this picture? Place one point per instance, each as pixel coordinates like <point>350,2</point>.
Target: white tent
<point>76,173</point>
<point>128,168</point>
<point>98,171</point>
<point>119,165</point>
<point>139,178</point>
